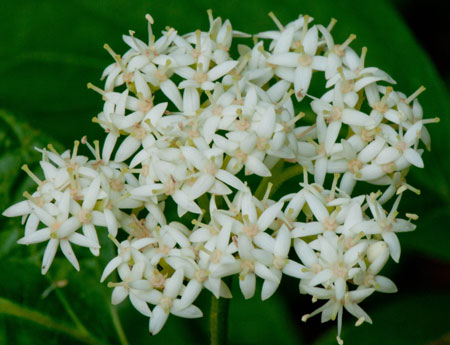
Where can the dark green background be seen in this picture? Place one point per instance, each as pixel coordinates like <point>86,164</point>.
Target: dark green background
<point>50,50</point>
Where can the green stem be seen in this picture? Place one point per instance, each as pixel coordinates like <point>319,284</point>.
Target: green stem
<point>117,324</point>
<point>218,320</point>
<point>286,175</point>
<point>10,308</point>
<point>70,311</point>
<point>259,193</point>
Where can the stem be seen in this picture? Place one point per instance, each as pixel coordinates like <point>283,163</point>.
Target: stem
<point>118,325</point>
<point>218,320</point>
<point>259,193</point>
<point>70,311</point>
<point>10,308</point>
<point>287,175</point>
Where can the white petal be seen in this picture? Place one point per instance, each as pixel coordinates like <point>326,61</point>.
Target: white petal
<point>255,166</point>
<point>190,293</point>
<point>157,320</point>
<point>222,69</point>
<point>36,237</point>
<point>283,242</point>
<point>316,206</point>
<point>182,200</point>
<point>140,305</point>
<point>340,288</point>
<point>191,312</point>
<point>321,277</point>
<point>268,216</point>
<point>247,285</point>
<point>127,148</point>
<point>356,118</point>
<point>19,209</point>
<point>174,283</point>
<point>156,113</point>
<point>230,179</point>
<point>68,227</point>
<point>118,295</point>
<point>305,253</point>
<point>294,269</point>
<point>90,233</point>
<point>49,254</point>
<point>67,250</point>
<point>385,285</point>
<point>111,266</point>
<point>413,157</point>
<point>82,241</point>
<point>111,222</point>
<point>394,245</point>
<point>268,289</point>
<point>169,89</point>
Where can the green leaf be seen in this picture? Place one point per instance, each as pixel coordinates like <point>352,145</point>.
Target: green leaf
<point>415,319</point>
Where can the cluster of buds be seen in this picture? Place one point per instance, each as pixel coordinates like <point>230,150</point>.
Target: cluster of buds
<point>200,147</point>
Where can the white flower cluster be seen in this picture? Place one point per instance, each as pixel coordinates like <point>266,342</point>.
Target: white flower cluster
<point>187,125</point>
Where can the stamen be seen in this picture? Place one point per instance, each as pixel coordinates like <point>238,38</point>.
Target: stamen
<point>306,131</point>
<point>111,284</point>
<point>136,43</point>
<point>305,317</point>
<point>115,241</point>
<point>276,21</point>
<point>97,150</point>
<point>433,120</point>
<point>238,90</point>
<point>415,94</point>
<point>286,96</point>
<point>334,185</point>
<point>267,194</point>
<point>76,144</point>
<point>332,24</point>
<point>97,89</point>
<point>363,57</point>
<point>115,56</point>
<point>347,42</point>
<point>305,26</point>
<point>31,174</point>
<point>85,142</point>
<point>210,17</point>
<point>305,175</point>
<point>198,34</point>
<point>242,63</point>
<point>389,89</point>
<point>412,216</point>
<point>360,321</point>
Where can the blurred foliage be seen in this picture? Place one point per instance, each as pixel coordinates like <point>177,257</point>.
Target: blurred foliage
<point>49,51</point>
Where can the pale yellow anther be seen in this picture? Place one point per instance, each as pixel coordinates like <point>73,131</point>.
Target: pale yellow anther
<point>149,19</point>
<point>412,216</point>
<point>360,321</point>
